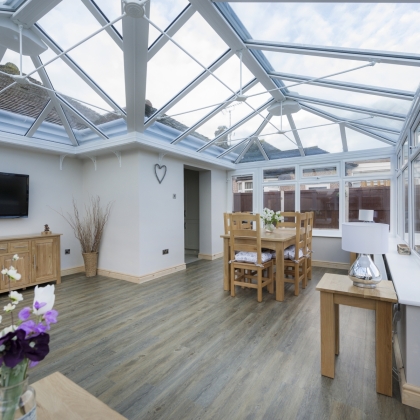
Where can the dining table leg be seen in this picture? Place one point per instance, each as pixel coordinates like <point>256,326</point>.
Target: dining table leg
<point>226,271</point>
<point>279,271</point>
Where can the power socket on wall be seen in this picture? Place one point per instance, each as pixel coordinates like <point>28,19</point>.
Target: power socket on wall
<point>165,251</point>
<point>66,251</point>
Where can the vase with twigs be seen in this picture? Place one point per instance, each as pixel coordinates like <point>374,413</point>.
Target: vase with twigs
<point>89,230</point>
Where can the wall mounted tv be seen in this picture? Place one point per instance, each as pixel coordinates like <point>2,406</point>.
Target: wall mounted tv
<point>14,195</point>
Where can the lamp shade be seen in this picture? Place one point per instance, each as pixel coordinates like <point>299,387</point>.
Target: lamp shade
<point>366,215</point>
<point>365,238</point>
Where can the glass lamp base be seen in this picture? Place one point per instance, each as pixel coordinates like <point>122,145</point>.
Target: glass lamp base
<point>364,272</point>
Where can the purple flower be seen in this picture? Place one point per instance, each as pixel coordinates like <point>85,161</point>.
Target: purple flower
<point>38,305</point>
<point>51,317</point>
<point>14,352</point>
<point>32,364</point>
<point>36,348</point>
<point>24,314</point>
<point>31,328</point>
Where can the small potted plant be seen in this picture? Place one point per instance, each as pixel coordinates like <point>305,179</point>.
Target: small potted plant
<point>23,344</point>
<point>270,219</point>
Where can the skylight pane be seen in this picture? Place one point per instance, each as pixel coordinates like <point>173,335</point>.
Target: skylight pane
<point>389,27</point>
<point>112,10</point>
<point>10,5</point>
<point>81,130</point>
<point>358,141</point>
<point>27,64</point>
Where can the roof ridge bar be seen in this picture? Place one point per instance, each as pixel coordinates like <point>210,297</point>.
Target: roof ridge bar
<point>187,89</point>
<point>352,87</point>
<point>103,20</point>
<point>387,57</point>
<point>78,70</point>
<point>215,111</point>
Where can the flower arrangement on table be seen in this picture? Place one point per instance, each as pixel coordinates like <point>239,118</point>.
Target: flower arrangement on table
<point>25,342</point>
<point>270,218</point>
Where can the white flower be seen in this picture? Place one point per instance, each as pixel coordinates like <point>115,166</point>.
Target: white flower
<point>15,257</point>
<point>44,299</point>
<point>9,307</point>
<point>7,330</point>
<point>15,296</point>
<point>4,271</point>
<point>13,274</point>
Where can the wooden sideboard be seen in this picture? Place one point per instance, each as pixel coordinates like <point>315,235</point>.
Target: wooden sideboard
<point>39,259</point>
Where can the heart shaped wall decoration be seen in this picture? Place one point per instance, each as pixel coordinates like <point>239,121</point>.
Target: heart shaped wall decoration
<point>160,172</point>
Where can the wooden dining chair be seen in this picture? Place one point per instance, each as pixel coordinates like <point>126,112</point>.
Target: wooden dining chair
<point>246,255</point>
<point>310,227</point>
<point>227,222</point>
<point>295,255</point>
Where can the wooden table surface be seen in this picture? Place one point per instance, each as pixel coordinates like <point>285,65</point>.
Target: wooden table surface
<point>276,241</point>
<point>58,398</point>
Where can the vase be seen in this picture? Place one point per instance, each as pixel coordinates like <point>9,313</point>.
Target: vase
<point>269,228</point>
<point>91,263</point>
<point>17,402</point>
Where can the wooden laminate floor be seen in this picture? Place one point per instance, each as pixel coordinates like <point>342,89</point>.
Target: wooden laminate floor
<point>181,348</point>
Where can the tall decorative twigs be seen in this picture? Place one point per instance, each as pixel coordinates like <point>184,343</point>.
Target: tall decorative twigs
<point>89,229</point>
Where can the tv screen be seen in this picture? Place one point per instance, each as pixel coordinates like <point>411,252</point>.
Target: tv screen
<point>14,195</point>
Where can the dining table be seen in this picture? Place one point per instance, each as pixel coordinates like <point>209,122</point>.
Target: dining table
<point>276,241</point>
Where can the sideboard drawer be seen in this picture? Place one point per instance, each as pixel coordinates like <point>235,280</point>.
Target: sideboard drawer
<point>3,248</point>
<point>21,246</point>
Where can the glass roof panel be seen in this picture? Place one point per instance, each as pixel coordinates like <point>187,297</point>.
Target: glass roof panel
<point>200,40</point>
<point>111,9</point>
<point>359,141</point>
<point>81,130</point>
<point>389,27</point>
<point>10,5</point>
<point>51,129</point>
<point>27,64</point>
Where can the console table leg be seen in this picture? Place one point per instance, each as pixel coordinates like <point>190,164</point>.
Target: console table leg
<point>384,348</point>
<point>328,330</point>
<point>337,328</point>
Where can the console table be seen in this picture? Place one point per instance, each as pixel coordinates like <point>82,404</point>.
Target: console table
<point>39,259</point>
<point>57,397</point>
<point>339,290</point>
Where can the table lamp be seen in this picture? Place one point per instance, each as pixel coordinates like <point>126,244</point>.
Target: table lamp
<point>366,215</point>
<point>365,239</point>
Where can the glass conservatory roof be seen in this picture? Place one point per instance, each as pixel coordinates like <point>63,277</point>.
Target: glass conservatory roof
<point>234,81</point>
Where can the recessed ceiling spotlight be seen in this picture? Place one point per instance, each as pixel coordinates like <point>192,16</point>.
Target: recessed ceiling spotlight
<point>134,8</point>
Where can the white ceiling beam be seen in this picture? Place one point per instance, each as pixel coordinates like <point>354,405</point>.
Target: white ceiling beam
<point>215,111</point>
<point>295,134</point>
<point>47,83</point>
<point>334,118</point>
<point>352,87</point>
<point>33,10</point>
<point>77,69</point>
<point>187,89</point>
<point>215,19</point>
<point>40,119</point>
<point>375,127</point>
<point>387,57</point>
<point>135,40</point>
<point>246,148</point>
<point>236,126</point>
<point>171,30</point>
<point>99,15</point>
<point>346,107</point>
<point>343,137</point>
<point>315,1</point>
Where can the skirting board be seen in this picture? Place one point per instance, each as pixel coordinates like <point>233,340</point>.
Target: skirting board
<point>210,257</point>
<point>329,264</point>
<point>74,270</point>
<point>141,279</point>
<point>410,394</point>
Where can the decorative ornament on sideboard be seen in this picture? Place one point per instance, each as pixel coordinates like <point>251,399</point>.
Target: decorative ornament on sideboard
<point>46,231</point>
<point>89,229</point>
<point>23,345</point>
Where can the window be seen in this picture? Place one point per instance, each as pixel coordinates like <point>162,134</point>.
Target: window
<point>323,200</point>
<point>320,171</point>
<point>416,138</point>
<point>363,167</point>
<point>279,174</point>
<point>405,203</point>
<point>369,195</point>
<point>399,160</point>
<point>405,152</point>
<point>416,218</point>
<point>242,190</point>
<point>280,198</point>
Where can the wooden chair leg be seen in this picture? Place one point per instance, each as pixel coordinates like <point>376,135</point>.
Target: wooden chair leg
<point>270,275</point>
<point>304,280</point>
<point>259,286</point>
<point>232,280</point>
<point>296,279</point>
<point>310,268</point>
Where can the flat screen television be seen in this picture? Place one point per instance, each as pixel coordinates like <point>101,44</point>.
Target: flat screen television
<point>14,195</point>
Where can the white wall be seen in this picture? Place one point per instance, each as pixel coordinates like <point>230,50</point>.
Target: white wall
<point>329,249</point>
<point>205,212</point>
<point>119,251</point>
<point>218,207</point>
<point>49,189</point>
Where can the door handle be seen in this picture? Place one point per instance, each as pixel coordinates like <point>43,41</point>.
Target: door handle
<point>35,261</point>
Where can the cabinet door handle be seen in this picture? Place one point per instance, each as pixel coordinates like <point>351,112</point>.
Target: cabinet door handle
<point>35,262</point>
